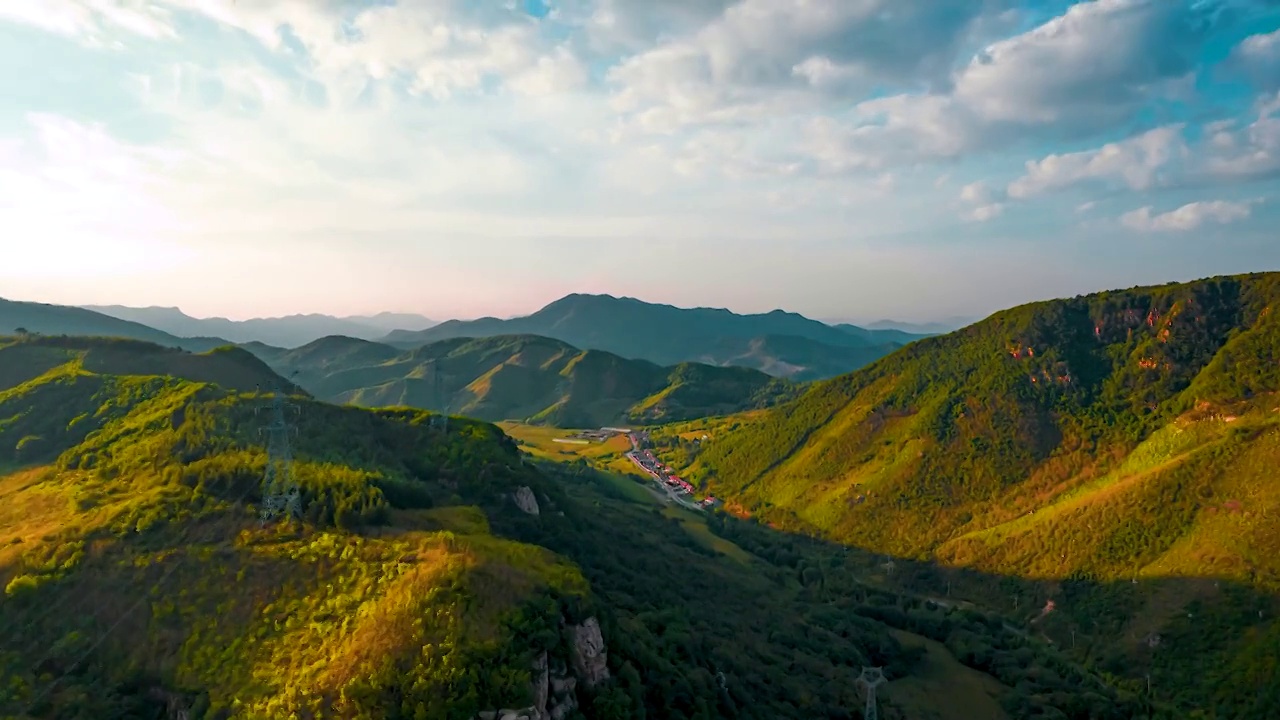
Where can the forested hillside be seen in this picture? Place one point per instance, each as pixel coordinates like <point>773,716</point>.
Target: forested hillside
<point>1123,436</point>
<point>522,377</point>
<point>434,573</point>
<point>780,343</point>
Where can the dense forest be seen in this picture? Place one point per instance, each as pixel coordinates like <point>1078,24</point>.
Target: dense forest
<point>522,377</point>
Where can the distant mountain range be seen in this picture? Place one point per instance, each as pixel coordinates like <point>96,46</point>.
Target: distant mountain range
<point>16,316</point>
<point>520,377</point>
<point>780,343</point>
<point>939,327</point>
<point>289,331</point>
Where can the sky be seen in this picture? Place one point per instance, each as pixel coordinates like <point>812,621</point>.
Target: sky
<point>853,159</point>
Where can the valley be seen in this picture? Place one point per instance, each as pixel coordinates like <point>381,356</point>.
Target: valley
<point>633,360</point>
<point>138,576</point>
<point>1049,513</point>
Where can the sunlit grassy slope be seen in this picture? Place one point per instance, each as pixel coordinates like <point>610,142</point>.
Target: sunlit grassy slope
<point>1121,436</point>
<point>136,575</point>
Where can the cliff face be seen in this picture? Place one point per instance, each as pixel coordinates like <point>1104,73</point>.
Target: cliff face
<point>554,683</point>
<point>590,657</point>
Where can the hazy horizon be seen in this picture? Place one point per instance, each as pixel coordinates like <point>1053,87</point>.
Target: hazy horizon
<point>871,159</point>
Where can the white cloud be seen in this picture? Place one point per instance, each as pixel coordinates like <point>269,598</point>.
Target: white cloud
<point>1259,57</point>
<point>1093,64</point>
<point>767,58</point>
<point>976,192</point>
<point>296,123</point>
<point>1250,152</point>
<point>1188,217</point>
<point>1085,71</point>
<point>984,213</point>
<point>91,20</point>
<point>1136,162</point>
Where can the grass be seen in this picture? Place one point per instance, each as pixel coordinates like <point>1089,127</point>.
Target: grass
<point>539,441</point>
<point>696,525</point>
<point>634,484</point>
<point>969,694</point>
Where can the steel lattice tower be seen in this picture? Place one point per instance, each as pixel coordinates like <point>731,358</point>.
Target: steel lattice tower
<point>440,398</point>
<point>280,494</point>
<point>871,679</point>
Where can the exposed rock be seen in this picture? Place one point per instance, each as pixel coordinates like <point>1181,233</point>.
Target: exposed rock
<point>526,501</point>
<point>541,683</point>
<point>563,684</point>
<point>590,660</point>
<point>562,711</point>
<point>553,685</point>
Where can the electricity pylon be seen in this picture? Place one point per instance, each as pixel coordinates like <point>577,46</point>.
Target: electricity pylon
<point>280,494</point>
<point>872,677</point>
<point>440,400</point>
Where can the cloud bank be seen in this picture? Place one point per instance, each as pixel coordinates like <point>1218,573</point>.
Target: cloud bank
<point>465,158</point>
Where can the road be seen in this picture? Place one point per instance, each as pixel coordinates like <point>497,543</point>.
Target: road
<point>634,456</point>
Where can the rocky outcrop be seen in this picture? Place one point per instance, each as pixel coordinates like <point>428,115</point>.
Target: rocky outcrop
<point>526,501</point>
<point>553,685</point>
<point>541,682</point>
<point>588,654</point>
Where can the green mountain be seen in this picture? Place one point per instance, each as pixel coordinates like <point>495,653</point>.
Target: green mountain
<point>521,377</point>
<point>1125,437</point>
<point>65,320</point>
<point>289,331</point>
<point>434,574</point>
<point>778,342</point>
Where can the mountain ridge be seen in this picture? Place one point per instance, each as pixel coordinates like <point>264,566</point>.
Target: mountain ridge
<point>522,377</point>
<point>47,319</point>
<point>666,335</point>
<point>1114,436</point>
<point>283,331</point>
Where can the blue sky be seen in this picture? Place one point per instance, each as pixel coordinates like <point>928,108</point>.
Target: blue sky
<point>852,159</point>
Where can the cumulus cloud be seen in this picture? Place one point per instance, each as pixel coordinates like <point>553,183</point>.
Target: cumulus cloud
<point>1188,217</point>
<point>1246,153</point>
<point>1258,56</point>
<point>984,213</point>
<point>761,57</point>
<point>1135,162</point>
<point>1093,67</point>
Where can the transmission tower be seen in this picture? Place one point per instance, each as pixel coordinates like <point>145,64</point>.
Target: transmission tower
<point>280,494</point>
<point>872,677</point>
<point>439,399</point>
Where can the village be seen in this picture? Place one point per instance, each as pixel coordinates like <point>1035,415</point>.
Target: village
<point>677,489</point>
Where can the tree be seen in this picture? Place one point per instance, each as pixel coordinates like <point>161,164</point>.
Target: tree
<point>21,332</point>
